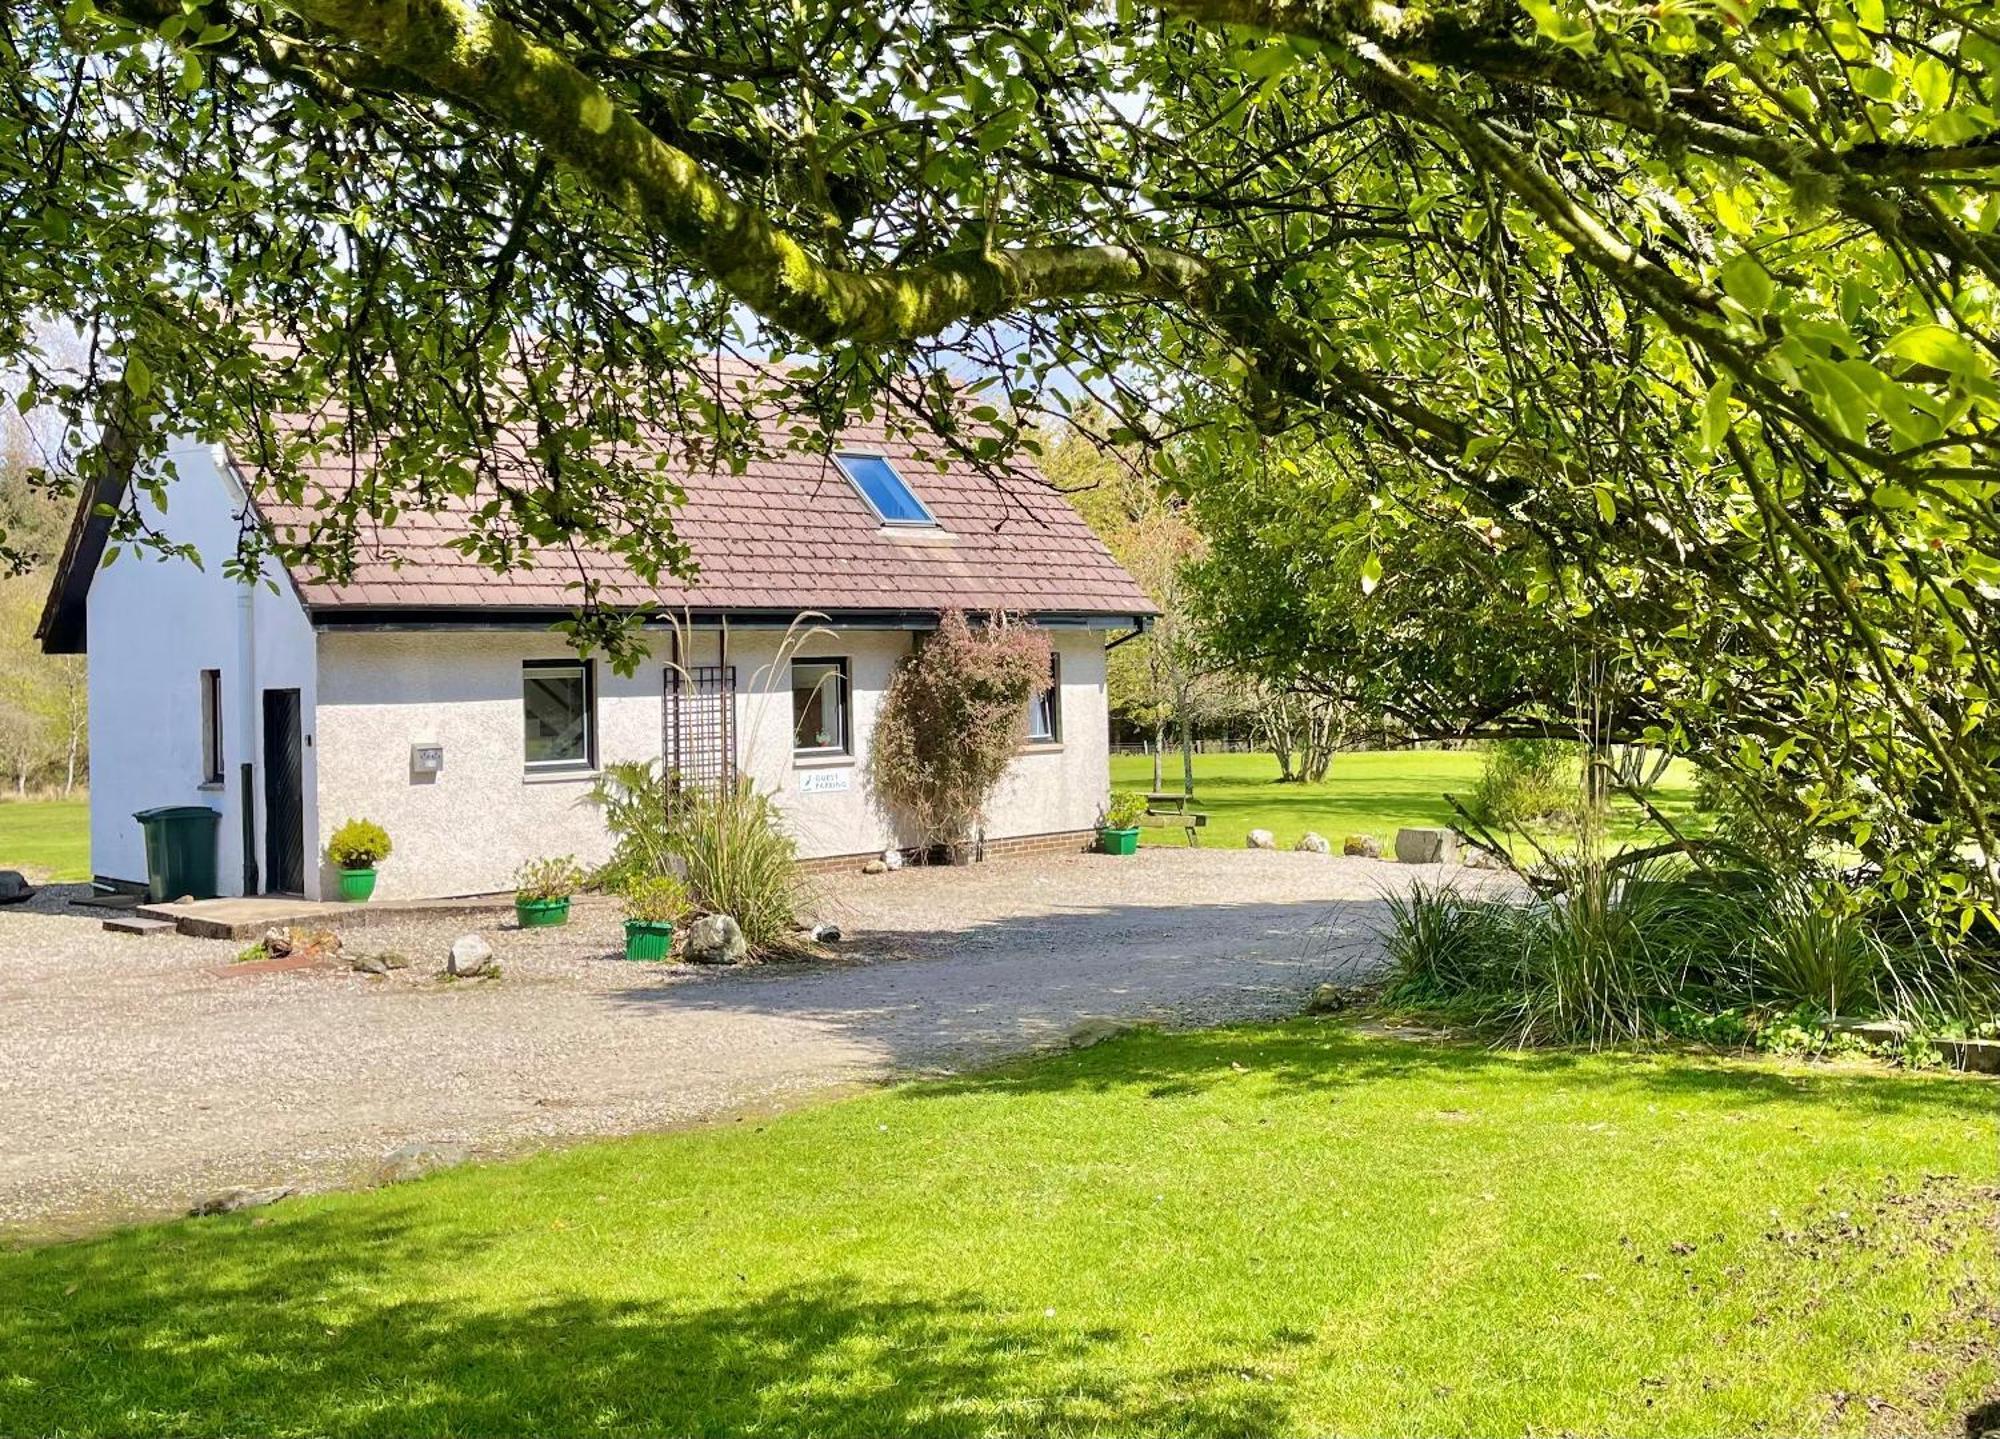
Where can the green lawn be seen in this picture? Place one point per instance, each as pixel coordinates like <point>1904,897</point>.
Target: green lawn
<point>1262,1230</point>
<point>1370,792</point>
<point>47,839</point>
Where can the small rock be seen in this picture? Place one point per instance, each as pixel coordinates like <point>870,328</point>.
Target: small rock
<point>185,899</point>
<point>875,866</point>
<point>1310,843</point>
<point>470,955</point>
<point>1426,846</point>
<point>14,887</point>
<point>394,959</point>
<point>368,964</point>
<point>1260,839</point>
<point>231,1200</point>
<point>892,859</point>
<point>1482,859</point>
<point>826,934</point>
<point>413,1161</point>
<point>1095,1030</point>
<point>277,943</point>
<point>1329,999</point>
<point>1362,846</point>
<point>715,939</point>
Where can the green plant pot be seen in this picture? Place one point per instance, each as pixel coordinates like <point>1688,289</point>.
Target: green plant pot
<point>648,938</point>
<point>356,885</point>
<point>1119,841</point>
<point>541,913</point>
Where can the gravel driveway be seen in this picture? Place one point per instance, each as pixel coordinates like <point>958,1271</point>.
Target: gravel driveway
<point>138,1076</point>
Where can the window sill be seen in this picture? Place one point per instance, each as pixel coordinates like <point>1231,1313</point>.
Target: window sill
<point>558,776</point>
<point>1041,746</point>
<point>813,759</point>
<point>916,534</point>
<point>211,786</point>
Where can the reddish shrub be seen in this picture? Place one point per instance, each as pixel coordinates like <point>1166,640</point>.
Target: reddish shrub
<point>955,713</point>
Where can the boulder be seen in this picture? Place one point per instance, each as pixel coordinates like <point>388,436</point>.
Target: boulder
<point>1328,999</point>
<point>1362,846</point>
<point>1310,843</point>
<point>715,939</point>
<point>824,933</point>
<point>1261,839</point>
<point>875,866</point>
<point>14,887</point>
<point>277,943</point>
<point>1476,858</point>
<point>1426,846</point>
<point>470,955</point>
<point>1096,1030</point>
<point>231,1200</point>
<point>413,1161</point>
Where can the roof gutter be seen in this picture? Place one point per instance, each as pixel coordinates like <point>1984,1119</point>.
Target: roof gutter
<point>379,619</point>
<point>1140,625</point>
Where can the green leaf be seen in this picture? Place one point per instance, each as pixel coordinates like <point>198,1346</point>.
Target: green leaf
<point>138,379</point>
<point>1748,283</point>
<point>1937,347</point>
<point>1371,573</point>
<point>1715,413</point>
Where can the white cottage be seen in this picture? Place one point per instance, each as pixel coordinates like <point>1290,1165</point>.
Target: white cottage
<point>432,696</point>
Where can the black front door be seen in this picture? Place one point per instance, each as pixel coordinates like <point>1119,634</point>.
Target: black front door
<point>284,795</point>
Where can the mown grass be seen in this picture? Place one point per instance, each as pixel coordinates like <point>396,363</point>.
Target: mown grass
<point>47,839</point>
<point>1368,792</point>
<point>1293,1229</point>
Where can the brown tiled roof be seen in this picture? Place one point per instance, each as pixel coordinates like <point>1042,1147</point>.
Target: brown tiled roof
<point>789,533</point>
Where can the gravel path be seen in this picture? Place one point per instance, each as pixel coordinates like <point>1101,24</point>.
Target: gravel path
<point>138,1076</point>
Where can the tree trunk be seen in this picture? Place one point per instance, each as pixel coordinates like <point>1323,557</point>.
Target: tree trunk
<point>1187,747</point>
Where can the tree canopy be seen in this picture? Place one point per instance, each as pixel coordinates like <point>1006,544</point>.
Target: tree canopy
<point>1686,306</point>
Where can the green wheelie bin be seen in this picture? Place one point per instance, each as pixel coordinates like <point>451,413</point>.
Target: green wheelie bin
<point>180,851</point>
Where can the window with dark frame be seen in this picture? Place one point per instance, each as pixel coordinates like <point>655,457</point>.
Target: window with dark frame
<point>1045,709</point>
<point>211,726</point>
<point>819,708</point>
<point>559,716</point>
<point>886,492</point>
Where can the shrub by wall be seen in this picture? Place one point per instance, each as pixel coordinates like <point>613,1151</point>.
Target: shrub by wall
<point>955,713</point>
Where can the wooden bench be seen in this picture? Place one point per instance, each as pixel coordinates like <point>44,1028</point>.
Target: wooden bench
<point>1175,805</point>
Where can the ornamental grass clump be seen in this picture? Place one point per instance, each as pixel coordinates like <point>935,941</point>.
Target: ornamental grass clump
<point>731,844</point>
<point>1610,950</point>
<point>954,715</point>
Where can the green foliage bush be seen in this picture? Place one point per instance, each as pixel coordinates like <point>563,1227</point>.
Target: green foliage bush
<point>1528,780</point>
<point>358,844</point>
<point>546,879</point>
<point>632,795</point>
<point>656,899</point>
<point>1126,809</point>
<point>1617,952</point>
<point>727,847</point>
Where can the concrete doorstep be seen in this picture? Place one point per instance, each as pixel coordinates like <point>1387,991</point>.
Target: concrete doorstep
<point>249,918</point>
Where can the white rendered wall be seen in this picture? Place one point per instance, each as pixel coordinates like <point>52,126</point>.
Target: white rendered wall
<point>153,626</point>
<point>1049,789</point>
<point>468,829</point>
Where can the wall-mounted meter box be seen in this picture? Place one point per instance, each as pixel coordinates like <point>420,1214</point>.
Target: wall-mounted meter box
<point>426,759</point>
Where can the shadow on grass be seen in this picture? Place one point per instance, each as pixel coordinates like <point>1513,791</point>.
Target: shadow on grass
<point>1333,1054</point>
<point>224,1328</point>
